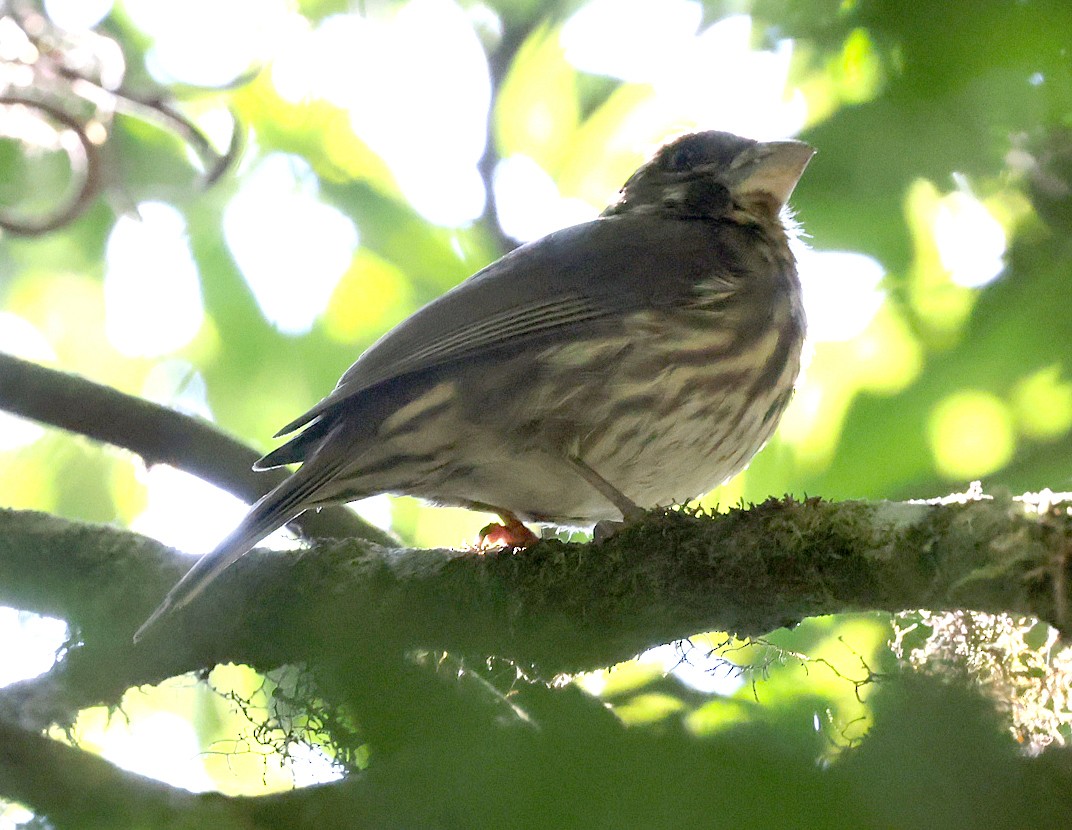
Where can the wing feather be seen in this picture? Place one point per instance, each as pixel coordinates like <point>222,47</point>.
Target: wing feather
<point>598,270</point>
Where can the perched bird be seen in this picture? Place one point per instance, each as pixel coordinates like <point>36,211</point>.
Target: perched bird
<point>635,360</point>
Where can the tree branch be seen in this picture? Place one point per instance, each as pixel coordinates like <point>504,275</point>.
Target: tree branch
<point>353,607</point>
<point>160,436</point>
<point>85,171</point>
<point>605,773</point>
<point>77,789</point>
<point>557,607</point>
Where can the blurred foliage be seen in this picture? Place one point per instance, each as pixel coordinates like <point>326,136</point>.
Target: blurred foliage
<point>913,106</point>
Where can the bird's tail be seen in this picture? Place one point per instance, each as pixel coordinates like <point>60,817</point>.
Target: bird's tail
<point>279,506</point>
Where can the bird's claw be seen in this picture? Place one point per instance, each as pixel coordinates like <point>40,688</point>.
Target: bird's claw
<point>511,534</point>
<point>605,529</point>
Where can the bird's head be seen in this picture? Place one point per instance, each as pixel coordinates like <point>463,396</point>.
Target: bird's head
<point>714,175</point>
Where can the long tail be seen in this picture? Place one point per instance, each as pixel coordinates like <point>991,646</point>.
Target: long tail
<point>275,509</point>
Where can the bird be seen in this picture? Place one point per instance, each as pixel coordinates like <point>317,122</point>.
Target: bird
<point>636,360</point>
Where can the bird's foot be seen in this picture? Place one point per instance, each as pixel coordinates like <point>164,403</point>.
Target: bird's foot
<point>510,534</point>
<point>605,529</point>
<point>608,527</point>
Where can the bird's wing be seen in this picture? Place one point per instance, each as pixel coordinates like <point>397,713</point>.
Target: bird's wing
<point>600,270</point>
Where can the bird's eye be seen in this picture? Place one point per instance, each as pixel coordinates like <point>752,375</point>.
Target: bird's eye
<point>684,156</point>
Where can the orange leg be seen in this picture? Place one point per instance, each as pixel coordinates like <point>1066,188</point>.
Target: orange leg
<point>511,533</point>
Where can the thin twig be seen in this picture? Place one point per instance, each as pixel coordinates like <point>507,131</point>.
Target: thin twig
<point>86,170</point>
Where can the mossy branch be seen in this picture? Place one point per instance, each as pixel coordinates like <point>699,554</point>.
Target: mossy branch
<point>555,607</point>
<point>352,607</point>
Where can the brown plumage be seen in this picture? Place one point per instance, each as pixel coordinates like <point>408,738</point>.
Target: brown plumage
<point>632,361</point>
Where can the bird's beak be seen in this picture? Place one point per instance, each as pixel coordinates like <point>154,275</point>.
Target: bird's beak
<point>772,168</point>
